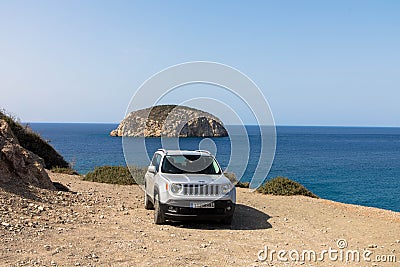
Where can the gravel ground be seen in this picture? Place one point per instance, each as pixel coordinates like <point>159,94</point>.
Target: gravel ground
<point>107,225</point>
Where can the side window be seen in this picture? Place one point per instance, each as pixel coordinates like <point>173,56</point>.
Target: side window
<point>156,161</point>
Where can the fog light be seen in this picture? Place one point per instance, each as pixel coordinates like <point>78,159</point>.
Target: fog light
<point>228,208</point>
<point>172,209</point>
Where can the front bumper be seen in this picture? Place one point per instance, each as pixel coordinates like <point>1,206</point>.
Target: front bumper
<point>181,210</point>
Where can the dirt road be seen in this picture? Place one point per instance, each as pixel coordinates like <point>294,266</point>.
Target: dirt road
<point>107,225</point>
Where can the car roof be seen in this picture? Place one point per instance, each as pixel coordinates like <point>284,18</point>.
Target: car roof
<point>185,152</point>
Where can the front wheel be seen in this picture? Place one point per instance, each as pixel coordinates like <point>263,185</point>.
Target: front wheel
<point>158,213</point>
<point>147,203</point>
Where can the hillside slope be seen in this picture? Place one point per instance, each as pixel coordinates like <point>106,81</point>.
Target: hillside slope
<point>31,141</point>
<point>19,167</point>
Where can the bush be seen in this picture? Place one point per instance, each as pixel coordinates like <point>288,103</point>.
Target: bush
<point>160,112</point>
<point>283,186</point>
<point>116,175</point>
<point>33,142</point>
<point>231,176</point>
<point>243,185</point>
<point>69,171</point>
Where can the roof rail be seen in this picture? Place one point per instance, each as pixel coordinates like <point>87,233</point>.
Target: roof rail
<point>204,151</point>
<point>162,150</point>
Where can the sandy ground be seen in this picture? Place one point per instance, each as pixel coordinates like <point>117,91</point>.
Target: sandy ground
<point>107,225</point>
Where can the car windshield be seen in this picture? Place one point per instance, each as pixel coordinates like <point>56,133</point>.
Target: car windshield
<point>190,164</point>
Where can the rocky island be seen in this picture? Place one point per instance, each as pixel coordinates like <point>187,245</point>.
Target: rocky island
<point>170,121</point>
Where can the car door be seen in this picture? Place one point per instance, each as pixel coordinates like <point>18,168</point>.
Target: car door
<point>151,177</point>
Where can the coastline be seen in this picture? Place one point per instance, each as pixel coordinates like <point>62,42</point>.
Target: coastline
<point>331,162</point>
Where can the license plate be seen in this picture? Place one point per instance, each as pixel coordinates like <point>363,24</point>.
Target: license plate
<point>207,205</point>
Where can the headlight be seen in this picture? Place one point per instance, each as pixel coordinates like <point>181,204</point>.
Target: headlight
<point>176,188</point>
<point>225,188</point>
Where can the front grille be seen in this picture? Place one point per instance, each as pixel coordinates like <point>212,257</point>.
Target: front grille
<point>201,189</point>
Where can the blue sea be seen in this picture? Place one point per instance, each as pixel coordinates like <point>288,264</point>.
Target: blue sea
<point>347,164</point>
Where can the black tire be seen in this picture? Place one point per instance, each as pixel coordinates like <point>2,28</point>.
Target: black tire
<point>227,220</point>
<point>158,213</point>
<point>147,202</point>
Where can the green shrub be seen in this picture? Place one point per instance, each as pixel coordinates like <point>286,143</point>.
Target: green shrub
<point>231,176</point>
<point>243,184</point>
<point>160,112</point>
<point>116,175</point>
<point>33,142</point>
<point>69,171</point>
<point>283,186</point>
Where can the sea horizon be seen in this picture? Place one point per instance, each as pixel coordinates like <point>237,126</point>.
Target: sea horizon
<point>277,125</point>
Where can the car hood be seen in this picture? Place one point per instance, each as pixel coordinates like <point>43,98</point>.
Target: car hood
<point>196,178</point>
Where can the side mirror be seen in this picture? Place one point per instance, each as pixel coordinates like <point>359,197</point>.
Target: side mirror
<point>152,169</point>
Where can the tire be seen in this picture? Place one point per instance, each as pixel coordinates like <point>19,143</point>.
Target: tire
<point>158,213</point>
<point>147,203</point>
<point>227,220</point>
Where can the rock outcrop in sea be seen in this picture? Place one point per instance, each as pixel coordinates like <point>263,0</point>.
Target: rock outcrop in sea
<point>170,121</point>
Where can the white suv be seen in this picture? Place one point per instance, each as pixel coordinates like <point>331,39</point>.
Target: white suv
<point>182,184</point>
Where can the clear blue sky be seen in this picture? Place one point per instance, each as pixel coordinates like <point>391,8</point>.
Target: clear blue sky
<point>317,62</point>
